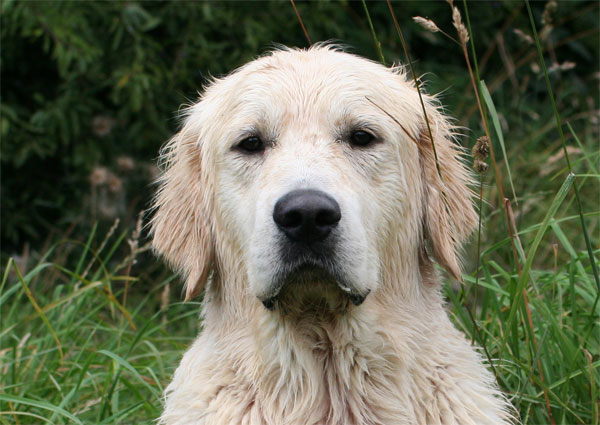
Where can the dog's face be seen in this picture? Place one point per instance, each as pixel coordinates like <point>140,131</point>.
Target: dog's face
<point>314,167</point>
<point>303,174</point>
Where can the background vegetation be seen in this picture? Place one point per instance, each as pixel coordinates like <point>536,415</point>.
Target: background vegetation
<point>91,326</point>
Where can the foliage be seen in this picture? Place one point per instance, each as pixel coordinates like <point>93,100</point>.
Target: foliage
<point>89,93</point>
<point>74,350</point>
<point>97,85</point>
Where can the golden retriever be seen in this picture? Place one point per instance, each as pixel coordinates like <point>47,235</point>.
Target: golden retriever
<point>302,194</point>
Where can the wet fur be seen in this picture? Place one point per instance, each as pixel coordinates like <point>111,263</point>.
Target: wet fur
<point>318,359</point>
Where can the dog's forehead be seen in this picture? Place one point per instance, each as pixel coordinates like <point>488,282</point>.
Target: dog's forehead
<point>303,74</point>
<point>307,78</point>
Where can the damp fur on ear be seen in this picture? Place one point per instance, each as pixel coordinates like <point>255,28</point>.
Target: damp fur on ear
<point>181,224</point>
<point>449,217</point>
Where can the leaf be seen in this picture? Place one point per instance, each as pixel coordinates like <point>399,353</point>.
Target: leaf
<point>41,405</point>
<point>556,202</point>
<point>494,114</point>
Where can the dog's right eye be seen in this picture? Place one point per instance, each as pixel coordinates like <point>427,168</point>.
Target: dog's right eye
<point>252,144</point>
<point>361,138</point>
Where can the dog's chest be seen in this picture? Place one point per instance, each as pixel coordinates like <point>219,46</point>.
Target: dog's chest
<point>359,388</point>
<point>328,385</point>
<point>278,377</point>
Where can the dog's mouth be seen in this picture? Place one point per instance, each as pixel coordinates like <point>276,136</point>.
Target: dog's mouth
<point>313,284</point>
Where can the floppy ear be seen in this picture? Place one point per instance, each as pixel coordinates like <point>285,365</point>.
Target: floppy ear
<point>449,215</point>
<point>181,223</point>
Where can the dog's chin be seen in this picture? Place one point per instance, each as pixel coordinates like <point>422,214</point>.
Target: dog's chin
<point>312,289</point>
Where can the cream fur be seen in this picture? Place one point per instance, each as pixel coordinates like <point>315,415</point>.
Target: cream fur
<point>318,359</point>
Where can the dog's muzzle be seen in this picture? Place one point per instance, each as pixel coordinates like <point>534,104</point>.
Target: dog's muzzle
<point>307,220</point>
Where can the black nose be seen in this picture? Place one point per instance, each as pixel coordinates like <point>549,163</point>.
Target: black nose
<point>306,215</point>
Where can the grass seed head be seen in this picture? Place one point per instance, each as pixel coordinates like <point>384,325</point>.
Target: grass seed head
<point>481,149</point>
<point>463,34</point>
<point>565,66</point>
<point>549,9</point>
<point>480,167</point>
<point>526,38</point>
<point>428,24</point>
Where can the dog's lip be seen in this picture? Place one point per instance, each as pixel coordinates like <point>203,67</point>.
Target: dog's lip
<point>269,303</point>
<point>355,297</point>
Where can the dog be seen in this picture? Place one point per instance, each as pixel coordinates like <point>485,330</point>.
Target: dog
<point>310,193</point>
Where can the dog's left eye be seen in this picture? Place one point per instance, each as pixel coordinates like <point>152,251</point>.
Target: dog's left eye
<point>252,144</point>
<point>361,138</point>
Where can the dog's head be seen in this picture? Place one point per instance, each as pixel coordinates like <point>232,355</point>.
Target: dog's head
<point>311,168</point>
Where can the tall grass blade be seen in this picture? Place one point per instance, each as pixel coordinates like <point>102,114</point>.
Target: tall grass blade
<point>125,364</point>
<point>67,298</point>
<point>107,292</point>
<point>119,416</point>
<point>38,309</point>
<point>87,247</point>
<point>556,202</point>
<point>301,22</point>
<point>558,383</point>
<point>14,413</point>
<point>108,257</point>
<point>373,34</point>
<point>585,153</point>
<point>494,114</point>
<point>40,405</point>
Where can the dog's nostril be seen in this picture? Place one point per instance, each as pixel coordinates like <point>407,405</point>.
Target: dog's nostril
<point>327,217</point>
<point>306,215</point>
<point>292,218</point>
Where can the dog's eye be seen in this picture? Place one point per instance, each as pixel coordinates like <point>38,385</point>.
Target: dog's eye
<point>361,138</point>
<point>251,144</point>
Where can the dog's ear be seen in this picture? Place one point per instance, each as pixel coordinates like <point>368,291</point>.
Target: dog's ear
<point>449,216</point>
<point>181,226</point>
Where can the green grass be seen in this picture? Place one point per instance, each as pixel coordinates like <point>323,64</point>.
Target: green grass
<point>557,354</point>
<point>90,332</point>
<point>72,352</point>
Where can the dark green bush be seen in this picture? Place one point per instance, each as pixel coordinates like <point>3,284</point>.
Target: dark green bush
<point>91,85</point>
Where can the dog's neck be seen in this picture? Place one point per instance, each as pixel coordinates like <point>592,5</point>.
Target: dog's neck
<point>329,357</point>
<point>362,364</point>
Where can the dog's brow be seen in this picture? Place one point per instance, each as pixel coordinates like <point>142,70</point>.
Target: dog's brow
<point>411,137</point>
